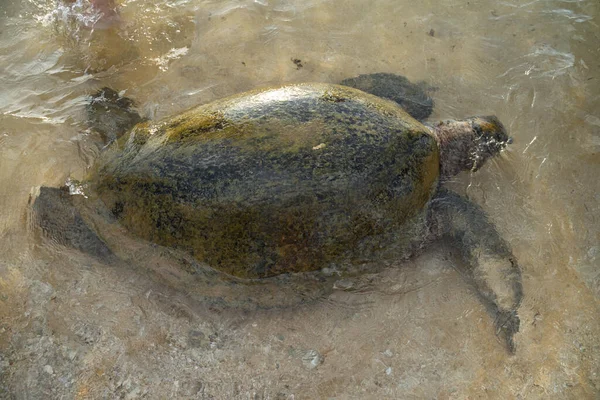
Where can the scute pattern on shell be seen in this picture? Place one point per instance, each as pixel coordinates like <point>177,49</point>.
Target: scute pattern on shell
<point>277,180</point>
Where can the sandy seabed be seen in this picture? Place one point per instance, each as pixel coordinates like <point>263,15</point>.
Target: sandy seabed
<point>147,327</point>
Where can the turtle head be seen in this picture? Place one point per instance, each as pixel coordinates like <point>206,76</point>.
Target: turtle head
<point>467,144</point>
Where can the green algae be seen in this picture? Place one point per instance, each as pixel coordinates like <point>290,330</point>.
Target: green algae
<point>280,180</point>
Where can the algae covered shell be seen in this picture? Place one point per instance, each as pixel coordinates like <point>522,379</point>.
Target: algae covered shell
<point>285,179</point>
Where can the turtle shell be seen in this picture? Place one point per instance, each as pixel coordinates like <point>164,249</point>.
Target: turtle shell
<point>285,179</point>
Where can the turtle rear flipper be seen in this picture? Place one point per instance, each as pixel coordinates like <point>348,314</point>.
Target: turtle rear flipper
<point>412,97</point>
<point>59,220</point>
<point>111,114</point>
<point>491,264</point>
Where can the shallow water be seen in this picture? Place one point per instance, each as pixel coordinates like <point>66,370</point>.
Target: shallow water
<point>74,328</point>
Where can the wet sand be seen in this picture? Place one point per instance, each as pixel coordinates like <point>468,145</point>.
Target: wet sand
<point>147,327</point>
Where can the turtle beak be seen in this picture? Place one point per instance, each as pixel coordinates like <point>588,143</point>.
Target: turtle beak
<point>491,138</point>
<point>490,135</point>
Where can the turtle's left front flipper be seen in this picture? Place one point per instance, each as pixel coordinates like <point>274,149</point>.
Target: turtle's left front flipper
<point>59,220</point>
<point>491,263</point>
<point>412,97</point>
<point>111,114</point>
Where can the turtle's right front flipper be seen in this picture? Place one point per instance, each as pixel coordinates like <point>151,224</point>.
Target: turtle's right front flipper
<point>493,267</point>
<point>59,220</point>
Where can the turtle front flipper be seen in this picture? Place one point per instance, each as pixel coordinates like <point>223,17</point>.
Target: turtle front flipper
<point>111,114</point>
<point>59,220</point>
<point>412,97</point>
<point>491,263</point>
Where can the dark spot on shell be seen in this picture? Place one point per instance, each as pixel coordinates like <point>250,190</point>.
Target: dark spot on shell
<point>333,97</point>
<point>117,209</point>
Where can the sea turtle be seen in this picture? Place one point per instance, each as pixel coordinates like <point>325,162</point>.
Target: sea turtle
<point>296,178</point>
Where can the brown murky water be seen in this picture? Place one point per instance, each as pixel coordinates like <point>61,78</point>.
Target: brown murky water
<point>71,327</point>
